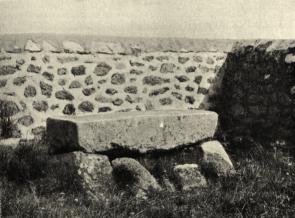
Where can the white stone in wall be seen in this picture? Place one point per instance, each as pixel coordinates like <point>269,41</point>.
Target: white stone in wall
<point>100,47</point>
<point>49,47</point>
<point>32,46</point>
<point>72,47</point>
<point>116,48</point>
<point>290,58</point>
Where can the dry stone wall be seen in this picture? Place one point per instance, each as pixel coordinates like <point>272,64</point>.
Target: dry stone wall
<point>42,80</point>
<point>258,92</point>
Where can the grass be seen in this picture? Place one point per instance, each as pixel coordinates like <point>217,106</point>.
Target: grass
<point>264,186</point>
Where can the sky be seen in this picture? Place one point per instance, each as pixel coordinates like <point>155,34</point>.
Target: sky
<point>230,19</point>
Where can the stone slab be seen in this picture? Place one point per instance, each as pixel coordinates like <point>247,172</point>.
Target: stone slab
<point>136,131</point>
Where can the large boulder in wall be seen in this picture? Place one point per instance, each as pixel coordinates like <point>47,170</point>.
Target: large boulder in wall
<point>134,131</point>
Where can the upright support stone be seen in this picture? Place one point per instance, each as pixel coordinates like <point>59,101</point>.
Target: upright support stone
<point>92,172</point>
<point>137,131</point>
<point>215,159</point>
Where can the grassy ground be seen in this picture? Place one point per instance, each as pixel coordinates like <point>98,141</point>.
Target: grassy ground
<point>264,186</point>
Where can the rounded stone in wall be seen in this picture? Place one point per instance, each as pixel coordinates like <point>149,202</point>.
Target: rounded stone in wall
<point>104,109</point>
<point>3,83</point>
<point>62,71</point>
<point>160,91</point>
<point>18,81</point>
<point>118,79</point>
<point>48,76</point>
<point>131,89</point>
<point>167,68</point>
<point>189,99</point>
<point>118,102</point>
<point>177,95</point>
<point>102,69</point>
<point>136,72</point>
<point>111,91</point>
<point>191,69</point>
<point>75,85</point>
<point>198,79</point>
<point>182,78</point>
<point>64,95</point>
<point>183,60</point>
<point>46,89</point>
<point>30,91</point>
<point>154,80</point>
<point>41,106</point>
<point>78,71</point>
<point>69,109</point>
<point>88,80</point>
<point>39,131</point>
<point>8,108</point>
<point>62,82</point>
<point>54,106</point>
<point>165,101</point>
<point>86,106</point>
<point>26,120</point>
<point>88,91</point>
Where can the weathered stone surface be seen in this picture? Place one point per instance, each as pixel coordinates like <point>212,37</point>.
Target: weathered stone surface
<point>20,62</point>
<point>111,91</point>
<point>197,59</point>
<point>41,106</point>
<point>88,91</point>
<point>67,59</point>
<point>118,79</point>
<point>49,47</point>
<point>79,70</point>
<point>18,81</point>
<point>135,64</point>
<point>165,101</point>
<point>62,82</point>
<point>75,85</point>
<point>162,58</point>
<point>32,46</point>
<point>148,58</point>
<point>183,60</point>
<point>3,83</point>
<point>160,91</point>
<point>131,89</point>
<point>48,76</point>
<point>136,72</point>
<point>189,99</point>
<point>86,106</point>
<point>104,109</point>
<point>190,69</point>
<point>154,80</point>
<point>198,79</point>
<point>30,91</point>
<point>167,68</point>
<point>182,78</point>
<point>177,95</point>
<point>7,70</point>
<point>103,99</point>
<point>88,80</point>
<point>118,102</point>
<point>72,47</point>
<point>140,131</point>
<point>92,172</point>
<point>69,109</point>
<point>189,177</point>
<point>34,69</point>
<point>189,88</point>
<point>152,68</point>
<point>26,120</point>
<point>130,174</point>
<point>215,159</point>
<point>102,69</point>
<point>210,60</point>
<point>8,108</point>
<point>33,58</point>
<point>133,100</point>
<point>64,95</point>
<point>62,71</point>
<point>46,89</point>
